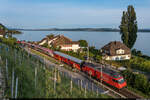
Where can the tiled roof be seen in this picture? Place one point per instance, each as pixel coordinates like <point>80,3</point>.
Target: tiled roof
<point>115,45</point>
<point>60,40</point>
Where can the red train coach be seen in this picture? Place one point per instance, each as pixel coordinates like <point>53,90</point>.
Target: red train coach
<point>74,62</point>
<point>37,47</point>
<point>43,50</point>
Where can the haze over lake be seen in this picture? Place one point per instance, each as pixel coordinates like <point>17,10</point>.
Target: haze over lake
<point>97,39</point>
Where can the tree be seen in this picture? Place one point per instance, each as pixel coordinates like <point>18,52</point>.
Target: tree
<point>128,27</point>
<point>134,51</point>
<point>50,36</point>
<point>83,43</point>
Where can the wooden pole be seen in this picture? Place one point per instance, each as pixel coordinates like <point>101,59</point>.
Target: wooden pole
<point>85,90</point>
<point>97,92</point>
<point>71,86</point>
<point>78,83</point>
<point>12,88</point>
<point>6,69</point>
<point>92,86</point>
<point>101,75</point>
<point>55,81</point>
<point>35,75</point>
<point>16,87</point>
<point>81,84</point>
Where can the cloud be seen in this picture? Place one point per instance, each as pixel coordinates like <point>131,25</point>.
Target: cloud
<point>47,14</point>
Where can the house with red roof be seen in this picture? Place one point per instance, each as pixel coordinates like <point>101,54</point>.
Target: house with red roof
<point>62,42</point>
<point>116,50</point>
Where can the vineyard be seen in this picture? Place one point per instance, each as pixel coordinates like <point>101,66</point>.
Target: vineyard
<point>28,77</point>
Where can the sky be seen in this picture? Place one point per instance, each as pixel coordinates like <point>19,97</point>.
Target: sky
<point>70,13</point>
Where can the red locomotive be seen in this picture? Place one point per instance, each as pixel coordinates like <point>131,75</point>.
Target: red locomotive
<point>106,75</point>
<point>94,70</point>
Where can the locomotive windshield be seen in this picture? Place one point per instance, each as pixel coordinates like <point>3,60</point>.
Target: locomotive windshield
<point>121,80</point>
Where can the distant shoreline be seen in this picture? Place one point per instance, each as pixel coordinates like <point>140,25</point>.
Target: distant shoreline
<point>82,29</point>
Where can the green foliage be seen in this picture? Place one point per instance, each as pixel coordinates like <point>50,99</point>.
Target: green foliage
<point>2,27</point>
<point>128,27</point>
<point>14,32</point>
<point>138,81</point>
<point>139,54</point>
<point>9,41</point>
<point>141,83</point>
<point>93,50</point>
<point>50,35</point>
<point>136,62</point>
<point>8,31</point>
<point>136,52</point>
<point>83,43</point>
<point>140,63</point>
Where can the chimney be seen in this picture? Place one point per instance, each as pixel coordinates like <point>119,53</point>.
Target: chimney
<point>115,42</point>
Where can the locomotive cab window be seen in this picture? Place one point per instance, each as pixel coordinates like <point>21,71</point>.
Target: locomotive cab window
<point>120,81</point>
<point>115,80</point>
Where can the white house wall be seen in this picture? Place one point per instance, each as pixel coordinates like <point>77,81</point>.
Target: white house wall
<point>74,47</point>
<point>120,57</point>
<point>1,35</point>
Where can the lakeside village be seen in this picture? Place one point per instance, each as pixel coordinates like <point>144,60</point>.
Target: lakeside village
<point>115,53</point>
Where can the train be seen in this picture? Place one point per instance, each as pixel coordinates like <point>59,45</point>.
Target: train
<point>96,71</point>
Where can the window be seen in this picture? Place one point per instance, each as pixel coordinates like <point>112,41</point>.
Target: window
<point>115,80</point>
<point>120,81</point>
<point>120,51</point>
<point>117,58</point>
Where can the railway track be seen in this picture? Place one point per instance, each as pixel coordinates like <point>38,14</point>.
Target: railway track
<point>129,94</point>
<point>123,93</point>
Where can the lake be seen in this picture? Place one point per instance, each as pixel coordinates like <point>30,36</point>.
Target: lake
<point>97,39</point>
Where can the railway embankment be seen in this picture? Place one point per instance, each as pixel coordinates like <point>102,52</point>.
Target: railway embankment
<point>29,77</point>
